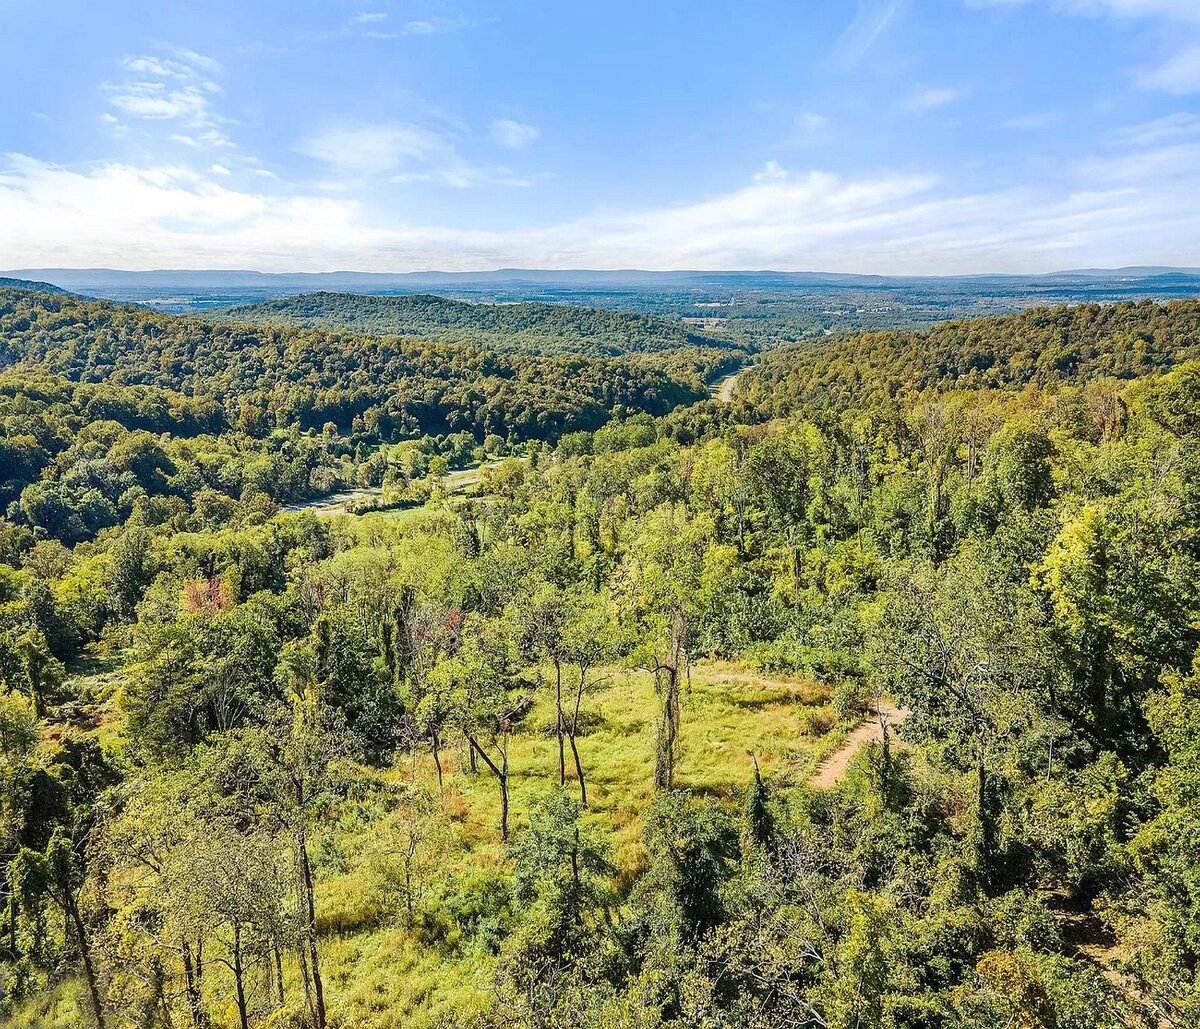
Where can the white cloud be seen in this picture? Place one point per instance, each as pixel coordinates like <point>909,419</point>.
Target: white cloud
<point>367,17</point>
<point>215,138</point>
<point>1181,125</point>
<point>871,19</point>
<point>1178,75</point>
<point>178,89</point>
<point>432,26</point>
<point>772,171</point>
<point>513,135</point>
<point>403,151</point>
<point>196,60</point>
<point>220,169</point>
<point>931,98</point>
<point>809,128</point>
<point>1032,121</point>
<point>1181,10</point>
<point>373,149</point>
<point>1132,203</point>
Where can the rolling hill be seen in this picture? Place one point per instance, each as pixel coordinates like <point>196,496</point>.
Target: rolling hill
<point>1040,346</point>
<point>39,287</point>
<point>292,375</point>
<point>525,327</point>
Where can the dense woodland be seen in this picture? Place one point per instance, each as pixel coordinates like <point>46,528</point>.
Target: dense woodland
<point>277,377</point>
<point>527,327</point>
<point>108,405</point>
<point>1039,346</point>
<point>543,756</point>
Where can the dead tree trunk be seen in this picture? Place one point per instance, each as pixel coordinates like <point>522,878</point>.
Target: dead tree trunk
<point>239,978</point>
<point>310,927</point>
<point>191,981</point>
<point>500,771</point>
<point>435,746</point>
<point>71,906</point>
<point>667,675</point>
<point>558,706</point>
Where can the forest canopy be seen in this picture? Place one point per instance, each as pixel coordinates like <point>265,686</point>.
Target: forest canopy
<point>867,700</point>
<point>526,327</point>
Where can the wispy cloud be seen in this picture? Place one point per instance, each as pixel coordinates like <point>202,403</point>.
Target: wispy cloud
<point>930,98</point>
<point>1181,10</point>
<point>1178,75</point>
<point>1170,127</point>
<point>196,60</point>
<point>1032,121</point>
<point>152,88</point>
<point>808,129</point>
<point>375,149</point>
<point>433,26</point>
<point>401,151</point>
<point>513,135</point>
<point>1130,203</point>
<point>871,19</point>
<point>156,88</point>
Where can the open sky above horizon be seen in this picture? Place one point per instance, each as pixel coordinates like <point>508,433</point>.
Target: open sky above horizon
<point>882,136</point>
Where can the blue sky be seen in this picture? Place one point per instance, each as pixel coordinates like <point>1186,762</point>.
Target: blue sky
<point>890,136</point>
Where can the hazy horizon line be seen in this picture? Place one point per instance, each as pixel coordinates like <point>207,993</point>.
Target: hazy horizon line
<point>516,269</point>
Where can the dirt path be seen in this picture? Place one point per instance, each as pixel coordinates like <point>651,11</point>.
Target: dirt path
<point>833,769</point>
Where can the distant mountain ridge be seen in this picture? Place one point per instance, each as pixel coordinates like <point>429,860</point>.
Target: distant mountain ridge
<point>75,278</point>
<point>517,327</point>
<point>758,308</point>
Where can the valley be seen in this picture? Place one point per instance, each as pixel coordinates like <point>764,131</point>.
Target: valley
<point>463,684</point>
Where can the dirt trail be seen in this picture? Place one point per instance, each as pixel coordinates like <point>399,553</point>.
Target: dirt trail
<point>1087,938</point>
<point>833,769</point>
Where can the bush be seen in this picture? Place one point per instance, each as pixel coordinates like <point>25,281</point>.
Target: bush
<point>817,721</point>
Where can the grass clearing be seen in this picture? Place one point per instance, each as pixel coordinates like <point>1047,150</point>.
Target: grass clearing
<point>381,974</point>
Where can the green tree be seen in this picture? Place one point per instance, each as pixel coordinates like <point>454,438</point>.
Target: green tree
<point>44,673</point>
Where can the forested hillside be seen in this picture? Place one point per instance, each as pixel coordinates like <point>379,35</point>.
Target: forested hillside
<point>40,287</point>
<point>526,327</point>
<point>286,377</point>
<point>106,405</point>
<point>1039,346</point>
<point>870,700</point>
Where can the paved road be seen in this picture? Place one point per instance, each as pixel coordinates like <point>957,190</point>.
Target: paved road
<point>722,388</point>
<point>338,503</point>
<point>338,500</point>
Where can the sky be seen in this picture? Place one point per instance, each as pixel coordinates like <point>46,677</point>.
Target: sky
<point>870,136</point>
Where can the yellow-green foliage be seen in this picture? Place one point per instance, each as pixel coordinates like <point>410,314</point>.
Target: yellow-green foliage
<point>381,974</point>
